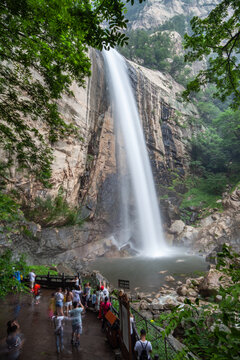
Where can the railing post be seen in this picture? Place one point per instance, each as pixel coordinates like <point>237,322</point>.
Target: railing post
<point>63,279</point>
<point>48,279</point>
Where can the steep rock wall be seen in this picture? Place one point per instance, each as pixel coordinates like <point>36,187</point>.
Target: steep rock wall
<point>156,12</point>
<point>85,168</point>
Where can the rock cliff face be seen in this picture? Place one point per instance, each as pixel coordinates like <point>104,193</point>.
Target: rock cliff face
<point>213,231</point>
<point>156,12</point>
<point>85,168</point>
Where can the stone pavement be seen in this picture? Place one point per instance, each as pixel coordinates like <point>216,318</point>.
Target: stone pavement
<point>38,331</point>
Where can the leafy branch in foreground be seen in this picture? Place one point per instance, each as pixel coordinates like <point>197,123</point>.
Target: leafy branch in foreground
<point>43,49</point>
<point>217,37</point>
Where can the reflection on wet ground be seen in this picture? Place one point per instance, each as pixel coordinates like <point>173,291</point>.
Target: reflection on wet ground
<point>38,331</point>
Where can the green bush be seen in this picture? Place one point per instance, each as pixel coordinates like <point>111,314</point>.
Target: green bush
<point>55,211</point>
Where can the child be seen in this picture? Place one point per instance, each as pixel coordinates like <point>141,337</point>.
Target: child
<point>52,307</point>
<point>36,293</point>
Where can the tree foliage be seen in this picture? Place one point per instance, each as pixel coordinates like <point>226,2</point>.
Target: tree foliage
<point>217,37</point>
<point>43,48</point>
<point>7,269</point>
<point>154,50</point>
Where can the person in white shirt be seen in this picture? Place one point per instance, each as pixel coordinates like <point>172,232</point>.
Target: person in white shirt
<point>59,297</point>
<point>58,324</point>
<point>32,277</point>
<point>76,294</point>
<point>143,348</point>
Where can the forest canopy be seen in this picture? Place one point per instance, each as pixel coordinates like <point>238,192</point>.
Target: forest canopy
<point>217,37</point>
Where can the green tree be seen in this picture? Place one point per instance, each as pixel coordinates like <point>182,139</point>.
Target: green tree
<point>7,268</point>
<point>43,48</point>
<point>217,37</point>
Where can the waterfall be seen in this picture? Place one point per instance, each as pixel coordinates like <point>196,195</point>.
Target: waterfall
<point>146,224</point>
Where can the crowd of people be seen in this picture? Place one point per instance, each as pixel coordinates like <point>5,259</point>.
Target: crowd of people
<point>69,305</point>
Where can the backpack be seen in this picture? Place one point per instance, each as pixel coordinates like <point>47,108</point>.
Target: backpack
<point>144,354</point>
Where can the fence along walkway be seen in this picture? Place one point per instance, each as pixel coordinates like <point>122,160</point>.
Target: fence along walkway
<point>55,281</point>
<point>163,348</point>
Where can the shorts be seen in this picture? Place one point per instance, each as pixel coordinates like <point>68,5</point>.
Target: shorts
<point>68,303</point>
<point>77,329</point>
<point>32,284</point>
<point>59,303</point>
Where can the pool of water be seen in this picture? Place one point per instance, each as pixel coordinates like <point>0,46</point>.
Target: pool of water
<point>148,274</point>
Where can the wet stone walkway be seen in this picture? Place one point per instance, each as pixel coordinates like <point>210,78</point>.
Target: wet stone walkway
<point>38,331</point>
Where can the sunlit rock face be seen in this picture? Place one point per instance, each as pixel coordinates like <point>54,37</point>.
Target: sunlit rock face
<point>165,119</point>
<point>156,12</point>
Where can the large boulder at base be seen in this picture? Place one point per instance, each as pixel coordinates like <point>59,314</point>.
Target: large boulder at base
<point>177,227</point>
<point>212,282</point>
<point>143,305</point>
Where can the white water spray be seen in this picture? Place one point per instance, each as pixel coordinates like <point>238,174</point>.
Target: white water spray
<point>126,116</point>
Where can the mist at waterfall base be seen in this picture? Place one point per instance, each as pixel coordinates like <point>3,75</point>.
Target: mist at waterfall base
<point>143,225</point>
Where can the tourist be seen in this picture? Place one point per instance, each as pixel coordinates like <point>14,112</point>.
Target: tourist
<point>17,276</point>
<point>32,277</point>
<point>86,294</point>
<point>69,300</point>
<point>76,280</point>
<point>131,331</point>
<point>59,297</point>
<point>101,294</point>
<point>58,324</point>
<point>52,306</point>
<point>105,291</point>
<point>94,300</point>
<point>98,296</point>
<point>105,307</point>
<point>36,293</point>
<point>76,294</point>
<point>76,317</point>
<point>143,348</point>
<point>14,341</point>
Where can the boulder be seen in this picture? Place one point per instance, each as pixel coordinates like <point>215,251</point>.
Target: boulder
<point>212,282</point>
<point>177,227</point>
<point>143,305</point>
<point>169,304</point>
<point>147,314</point>
<point>182,290</point>
<point>169,278</point>
<point>192,293</point>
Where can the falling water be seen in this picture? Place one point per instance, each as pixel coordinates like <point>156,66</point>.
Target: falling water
<point>148,220</point>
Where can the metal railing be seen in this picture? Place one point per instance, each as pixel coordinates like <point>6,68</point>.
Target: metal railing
<point>161,346</point>
<point>164,348</point>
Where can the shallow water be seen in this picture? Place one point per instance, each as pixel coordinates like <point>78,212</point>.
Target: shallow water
<point>147,274</point>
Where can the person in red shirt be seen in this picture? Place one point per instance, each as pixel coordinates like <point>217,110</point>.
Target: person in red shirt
<point>36,293</point>
<point>105,306</point>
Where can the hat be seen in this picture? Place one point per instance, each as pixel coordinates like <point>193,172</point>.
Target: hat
<point>102,287</point>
